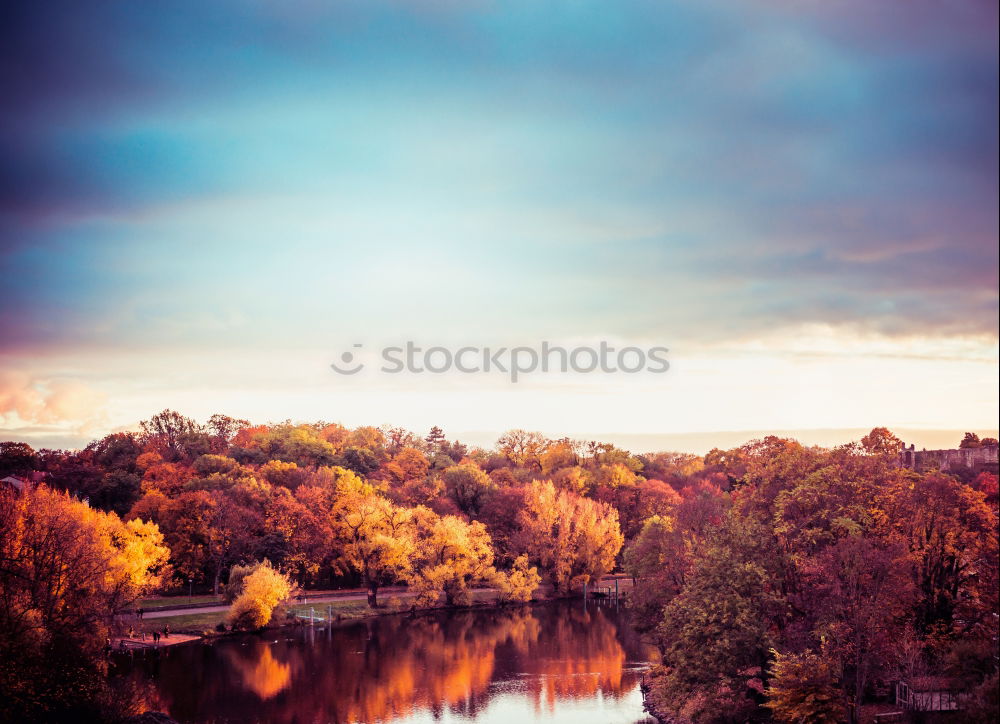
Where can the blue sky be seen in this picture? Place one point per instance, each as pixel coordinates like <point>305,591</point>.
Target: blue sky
<point>201,203</point>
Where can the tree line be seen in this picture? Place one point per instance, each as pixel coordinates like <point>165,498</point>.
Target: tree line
<point>826,576</point>
<point>772,575</point>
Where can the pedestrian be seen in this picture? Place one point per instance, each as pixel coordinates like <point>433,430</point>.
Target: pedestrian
<point>156,638</point>
<point>166,632</point>
<point>141,612</point>
<point>121,645</point>
<point>131,632</point>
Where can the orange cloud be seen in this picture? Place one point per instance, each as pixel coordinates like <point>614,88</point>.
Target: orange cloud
<point>50,401</point>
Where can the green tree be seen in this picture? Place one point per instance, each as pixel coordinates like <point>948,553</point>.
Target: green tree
<point>716,634</point>
<point>469,487</point>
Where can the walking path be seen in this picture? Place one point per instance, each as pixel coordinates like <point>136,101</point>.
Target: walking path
<point>134,644</point>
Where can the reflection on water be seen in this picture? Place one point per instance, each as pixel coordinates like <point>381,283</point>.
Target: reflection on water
<point>553,663</point>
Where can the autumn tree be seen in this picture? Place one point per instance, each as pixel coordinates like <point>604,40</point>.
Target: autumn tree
<point>951,534</point>
<point>16,458</point>
<point>207,531</point>
<point>574,479</point>
<point>803,689</point>
<point>374,536</point>
<point>658,559</point>
<point>501,514</point>
<point>361,460</point>
<point>450,556</point>
<point>299,444</point>
<point>518,584</point>
<point>238,575</point>
<point>223,430</point>
<point>117,451</point>
<point>522,448</point>
<point>880,441</point>
<point>573,539</point>
<point>168,432</point>
<point>278,472</point>
<point>263,590</point>
<point>673,468</point>
<point>560,454</point>
<point>397,438</point>
<point>861,590</point>
<point>971,440</point>
<point>66,571</point>
<point>408,465</point>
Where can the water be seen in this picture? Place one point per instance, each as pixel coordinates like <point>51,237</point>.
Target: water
<point>551,663</point>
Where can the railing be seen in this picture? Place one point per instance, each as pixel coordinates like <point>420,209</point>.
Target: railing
<point>888,716</point>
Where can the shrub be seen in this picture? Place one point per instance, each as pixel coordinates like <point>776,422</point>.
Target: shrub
<point>263,591</point>
<point>237,578</point>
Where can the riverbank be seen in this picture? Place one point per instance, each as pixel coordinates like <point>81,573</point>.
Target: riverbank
<point>139,643</point>
<point>209,623</point>
<point>203,618</point>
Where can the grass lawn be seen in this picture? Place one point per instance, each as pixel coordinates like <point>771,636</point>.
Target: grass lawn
<point>346,610</point>
<point>154,602</point>
<point>192,623</point>
<point>202,622</point>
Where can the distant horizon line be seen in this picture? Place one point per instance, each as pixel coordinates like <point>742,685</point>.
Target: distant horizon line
<point>692,442</point>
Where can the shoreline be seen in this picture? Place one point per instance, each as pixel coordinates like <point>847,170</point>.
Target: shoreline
<point>188,634</point>
<point>199,623</point>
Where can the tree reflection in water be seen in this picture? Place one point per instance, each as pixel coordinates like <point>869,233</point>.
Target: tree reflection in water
<point>392,668</point>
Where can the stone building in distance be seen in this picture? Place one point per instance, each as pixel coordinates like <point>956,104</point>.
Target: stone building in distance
<point>973,460</point>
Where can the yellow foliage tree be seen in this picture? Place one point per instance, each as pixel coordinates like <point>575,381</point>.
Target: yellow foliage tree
<point>574,539</point>
<point>518,584</point>
<point>66,571</point>
<point>804,690</point>
<point>450,556</point>
<point>263,591</point>
<point>375,538</point>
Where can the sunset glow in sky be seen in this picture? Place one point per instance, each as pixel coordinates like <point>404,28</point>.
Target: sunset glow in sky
<point>204,204</point>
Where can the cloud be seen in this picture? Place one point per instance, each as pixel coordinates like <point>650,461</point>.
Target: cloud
<point>236,173</point>
<point>63,402</point>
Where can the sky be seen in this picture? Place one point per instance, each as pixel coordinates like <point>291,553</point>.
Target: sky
<point>205,204</point>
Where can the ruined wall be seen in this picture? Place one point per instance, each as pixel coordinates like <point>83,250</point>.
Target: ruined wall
<point>976,459</point>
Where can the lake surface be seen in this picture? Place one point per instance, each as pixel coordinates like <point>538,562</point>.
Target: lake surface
<point>558,662</point>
